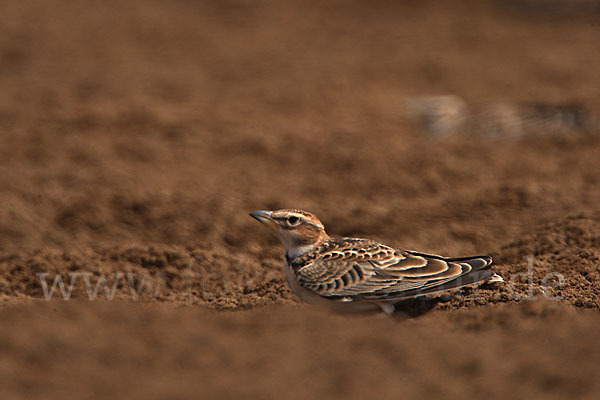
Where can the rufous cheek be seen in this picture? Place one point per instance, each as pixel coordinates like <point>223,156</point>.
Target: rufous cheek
<point>308,235</point>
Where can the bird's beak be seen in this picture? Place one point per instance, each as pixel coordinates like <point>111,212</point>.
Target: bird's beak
<point>264,217</point>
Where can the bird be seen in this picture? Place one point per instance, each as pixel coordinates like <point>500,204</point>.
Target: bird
<point>346,274</point>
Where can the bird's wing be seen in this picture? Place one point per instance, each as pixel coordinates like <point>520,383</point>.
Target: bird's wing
<point>372,271</point>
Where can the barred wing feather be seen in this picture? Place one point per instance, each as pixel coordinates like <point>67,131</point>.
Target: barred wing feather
<point>372,271</point>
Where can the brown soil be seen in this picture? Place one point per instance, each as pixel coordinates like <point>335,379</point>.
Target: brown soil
<point>137,135</point>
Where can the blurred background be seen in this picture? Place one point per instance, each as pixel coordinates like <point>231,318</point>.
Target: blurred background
<point>167,121</point>
<point>136,135</point>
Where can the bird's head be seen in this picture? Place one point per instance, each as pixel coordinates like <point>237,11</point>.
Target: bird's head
<point>299,231</point>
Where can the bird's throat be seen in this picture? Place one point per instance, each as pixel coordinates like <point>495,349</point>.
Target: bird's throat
<point>298,251</point>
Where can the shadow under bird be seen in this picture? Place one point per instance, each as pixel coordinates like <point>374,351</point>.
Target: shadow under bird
<point>350,274</point>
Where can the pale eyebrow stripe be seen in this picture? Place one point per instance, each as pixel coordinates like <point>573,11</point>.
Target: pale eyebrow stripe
<point>313,224</point>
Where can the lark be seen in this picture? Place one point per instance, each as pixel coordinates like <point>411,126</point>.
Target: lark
<point>350,274</point>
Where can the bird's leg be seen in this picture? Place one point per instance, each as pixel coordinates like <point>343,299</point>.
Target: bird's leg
<point>387,308</point>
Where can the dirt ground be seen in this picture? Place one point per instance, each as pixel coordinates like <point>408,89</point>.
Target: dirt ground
<point>137,136</point>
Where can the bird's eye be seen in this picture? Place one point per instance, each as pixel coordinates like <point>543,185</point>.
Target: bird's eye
<point>293,220</point>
